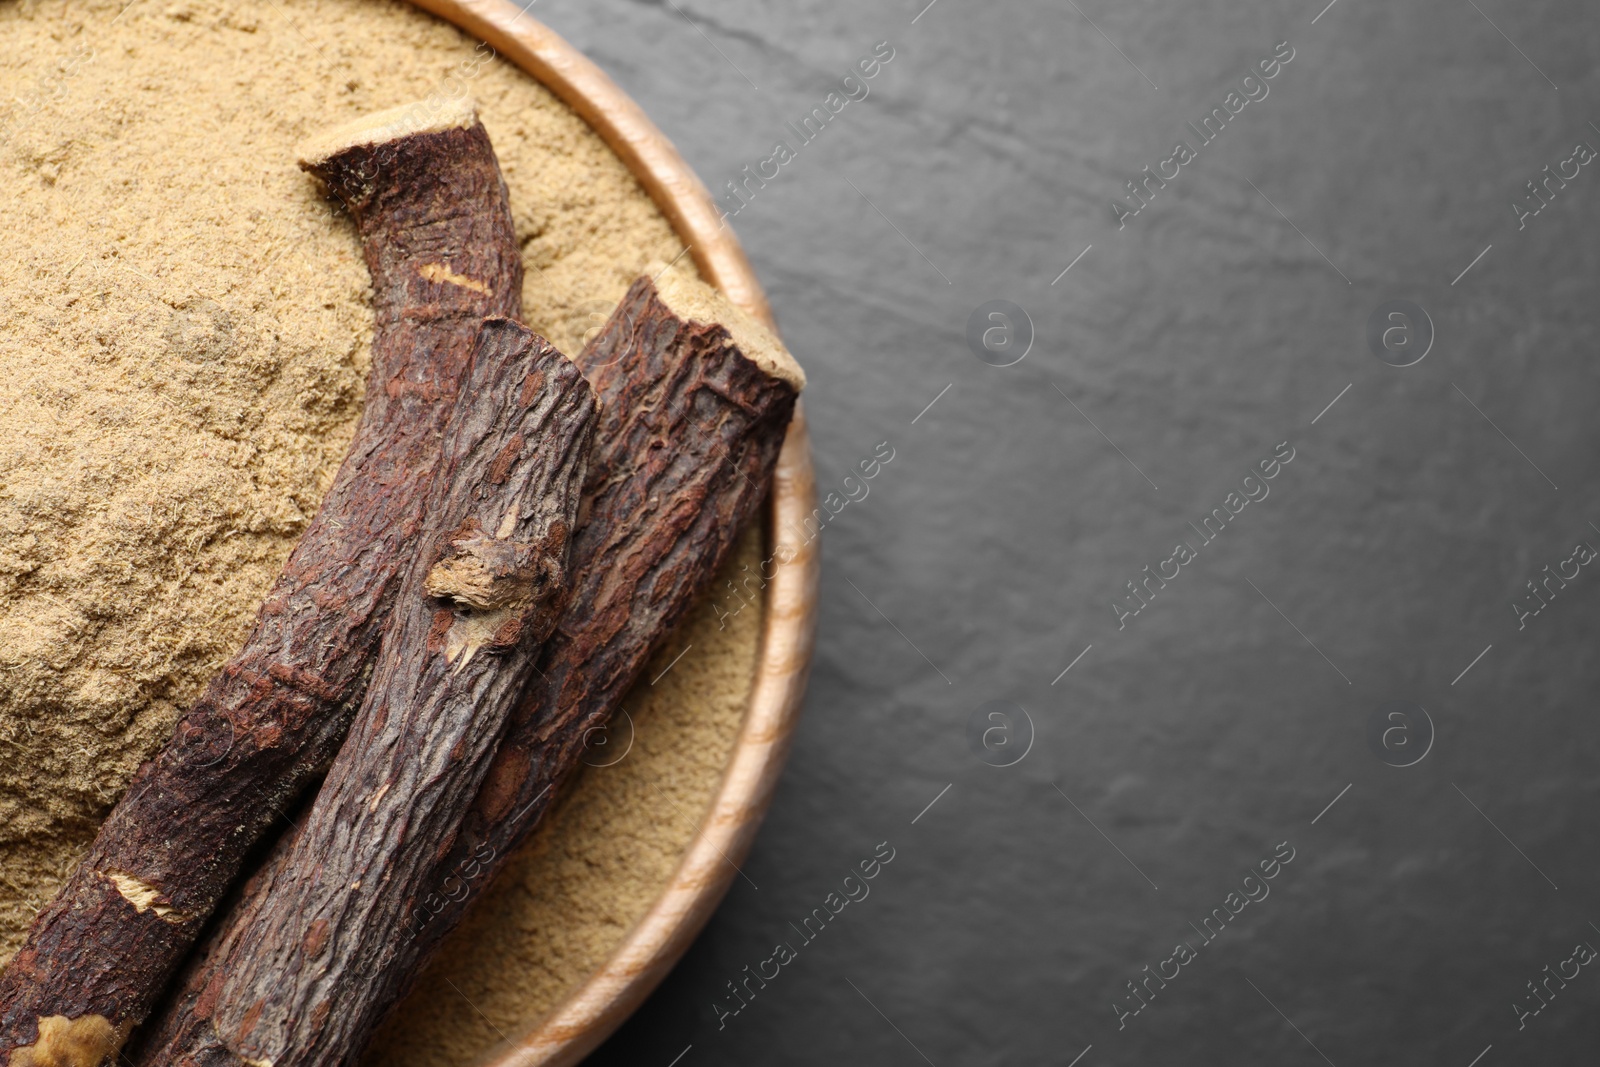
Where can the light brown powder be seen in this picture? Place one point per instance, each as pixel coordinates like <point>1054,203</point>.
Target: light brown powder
<point>184,334</point>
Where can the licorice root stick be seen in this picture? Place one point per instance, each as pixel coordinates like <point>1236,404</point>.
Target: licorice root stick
<point>693,417</point>
<point>310,966</point>
<point>437,234</point>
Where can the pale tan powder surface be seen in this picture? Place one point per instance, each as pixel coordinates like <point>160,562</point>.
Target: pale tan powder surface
<point>184,334</point>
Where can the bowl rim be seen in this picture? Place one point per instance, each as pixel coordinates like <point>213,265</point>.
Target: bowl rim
<point>657,941</point>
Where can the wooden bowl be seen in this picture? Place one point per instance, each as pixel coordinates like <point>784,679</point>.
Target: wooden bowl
<point>655,944</point>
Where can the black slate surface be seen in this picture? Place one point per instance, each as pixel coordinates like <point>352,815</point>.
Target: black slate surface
<point>1213,730</point>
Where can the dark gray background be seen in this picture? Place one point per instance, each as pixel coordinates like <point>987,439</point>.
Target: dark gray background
<point>1207,331</point>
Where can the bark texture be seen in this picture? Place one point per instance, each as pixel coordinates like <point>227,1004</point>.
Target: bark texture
<point>688,434</point>
<point>432,214</point>
<point>308,967</point>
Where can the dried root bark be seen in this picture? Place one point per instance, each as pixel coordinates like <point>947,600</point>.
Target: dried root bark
<point>688,434</point>
<point>309,965</point>
<point>436,229</point>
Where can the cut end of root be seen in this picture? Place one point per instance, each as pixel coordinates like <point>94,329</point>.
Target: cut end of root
<point>381,127</point>
<point>690,298</point>
<point>88,1041</point>
<point>143,896</point>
